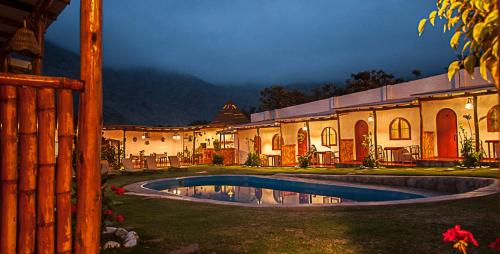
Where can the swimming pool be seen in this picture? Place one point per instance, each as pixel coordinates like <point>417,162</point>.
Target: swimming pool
<point>267,191</point>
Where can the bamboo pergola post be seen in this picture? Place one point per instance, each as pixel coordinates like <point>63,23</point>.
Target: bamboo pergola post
<point>45,238</point>
<point>28,154</point>
<point>87,235</point>
<point>8,168</point>
<point>64,171</point>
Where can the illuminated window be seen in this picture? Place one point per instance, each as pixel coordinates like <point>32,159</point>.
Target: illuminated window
<point>400,129</point>
<point>493,119</point>
<point>277,142</point>
<point>328,137</point>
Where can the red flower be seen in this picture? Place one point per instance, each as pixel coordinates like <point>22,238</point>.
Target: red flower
<point>456,234</point>
<point>495,245</point>
<point>108,212</point>
<point>113,188</point>
<point>73,208</point>
<point>120,191</point>
<point>120,218</point>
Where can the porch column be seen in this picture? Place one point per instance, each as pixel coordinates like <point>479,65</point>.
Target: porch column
<point>375,133</point>
<point>340,137</point>
<point>88,214</point>
<point>476,122</point>
<point>308,137</point>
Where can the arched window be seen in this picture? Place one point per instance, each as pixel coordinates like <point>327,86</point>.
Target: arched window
<point>400,129</point>
<point>328,137</point>
<point>493,121</point>
<point>277,142</point>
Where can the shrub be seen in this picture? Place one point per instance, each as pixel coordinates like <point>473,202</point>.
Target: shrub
<point>370,161</point>
<point>304,161</point>
<point>471,155</point>
<point>218,159</point>
<point>253,160</point>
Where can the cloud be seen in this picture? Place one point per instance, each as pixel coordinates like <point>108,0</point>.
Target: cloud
<point>263,41</point>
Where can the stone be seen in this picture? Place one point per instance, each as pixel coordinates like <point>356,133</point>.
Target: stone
<point>130,244</point>
<point>109,230</point>
<point>111,245</point>
<point>121,232</point>
<point>190,249</point>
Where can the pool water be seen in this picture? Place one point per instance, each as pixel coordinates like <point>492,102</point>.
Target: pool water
<point>271,191</point>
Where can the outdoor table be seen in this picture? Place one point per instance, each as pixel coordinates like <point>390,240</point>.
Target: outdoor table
<point>273,160</point>
<point>389,149</point>
<point>321,157</point>
<point>492,147</point>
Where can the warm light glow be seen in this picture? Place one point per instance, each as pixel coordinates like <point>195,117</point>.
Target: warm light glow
<point>371,119</point>
<point>469,104</point>
<point>304,128</point>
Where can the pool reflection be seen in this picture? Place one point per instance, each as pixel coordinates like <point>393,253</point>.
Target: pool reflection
<point>251,195</point>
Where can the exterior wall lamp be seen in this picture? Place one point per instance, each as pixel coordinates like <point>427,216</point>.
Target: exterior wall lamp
<point>469,104</point>
<point>371,119</point>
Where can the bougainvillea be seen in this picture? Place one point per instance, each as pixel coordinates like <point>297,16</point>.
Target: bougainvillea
<point>495,245</point>
<point>460,238</point>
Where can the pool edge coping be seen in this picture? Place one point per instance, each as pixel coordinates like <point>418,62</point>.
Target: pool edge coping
<point>138,189</point>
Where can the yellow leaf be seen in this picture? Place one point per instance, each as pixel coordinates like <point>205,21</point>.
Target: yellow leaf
<point>483,65</point>
<point>454,39</point>
<point>452,69</point>
<point>495,47</point>
<point>492,17</point>
<point>421,26</point>
<point>432,17</point>
<point>466,45</point>
<point>469,64</point>
<point>478,30</point>
<point>465,15</point>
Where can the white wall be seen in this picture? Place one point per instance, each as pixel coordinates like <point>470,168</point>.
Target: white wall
<point>384,119</point>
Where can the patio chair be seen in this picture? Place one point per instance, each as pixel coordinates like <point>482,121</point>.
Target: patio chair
<point>128,166</point>
<point>380,153</point>
<point>415,151</point>
<point>151,163</point>
<point>175,163</point>
<point>105,167</point>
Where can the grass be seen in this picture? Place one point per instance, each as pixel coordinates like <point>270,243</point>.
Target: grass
<point>228,229</point>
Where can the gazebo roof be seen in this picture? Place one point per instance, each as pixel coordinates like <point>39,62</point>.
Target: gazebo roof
<point>230,114</point>
<point>14,12</point>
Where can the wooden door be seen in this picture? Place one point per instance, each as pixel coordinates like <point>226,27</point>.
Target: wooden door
<point>361,130</point>
<point>257,145</point>
<point>447,141</point>
<point>302,142</point>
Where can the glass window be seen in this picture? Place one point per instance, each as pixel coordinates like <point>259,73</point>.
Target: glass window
<point>400,129</point>
<point>328,137</point>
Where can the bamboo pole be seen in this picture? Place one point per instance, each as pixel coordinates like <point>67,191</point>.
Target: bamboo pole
<point>28,154</point>
<point>63,175</point>
<point>88,216</point>
<point>46,160</point>
<point>8,168</point>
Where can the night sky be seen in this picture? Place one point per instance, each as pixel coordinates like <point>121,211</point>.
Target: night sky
<point>265,41</point>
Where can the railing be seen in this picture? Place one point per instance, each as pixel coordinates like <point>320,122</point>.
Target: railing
<point>36,198</point>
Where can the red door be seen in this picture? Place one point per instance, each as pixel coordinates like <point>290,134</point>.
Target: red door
<point>302,142</point>
<point>361,130</point>
<point>447,142</point>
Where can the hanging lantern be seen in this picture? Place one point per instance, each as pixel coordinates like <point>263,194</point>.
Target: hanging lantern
<point>469,104</point>
<point>24,42</point>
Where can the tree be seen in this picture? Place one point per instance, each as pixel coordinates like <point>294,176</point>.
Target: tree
<point>324,91</point>
<point>366,80</point>
<point>475,33</point>
<point>279,97</point>
<point>417,73</point>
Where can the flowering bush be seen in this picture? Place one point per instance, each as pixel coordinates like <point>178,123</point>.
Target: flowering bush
<point>460,238</point>
<point>495,245</point>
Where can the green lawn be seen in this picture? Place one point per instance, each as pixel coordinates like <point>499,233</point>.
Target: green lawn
<point>227,229</point>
